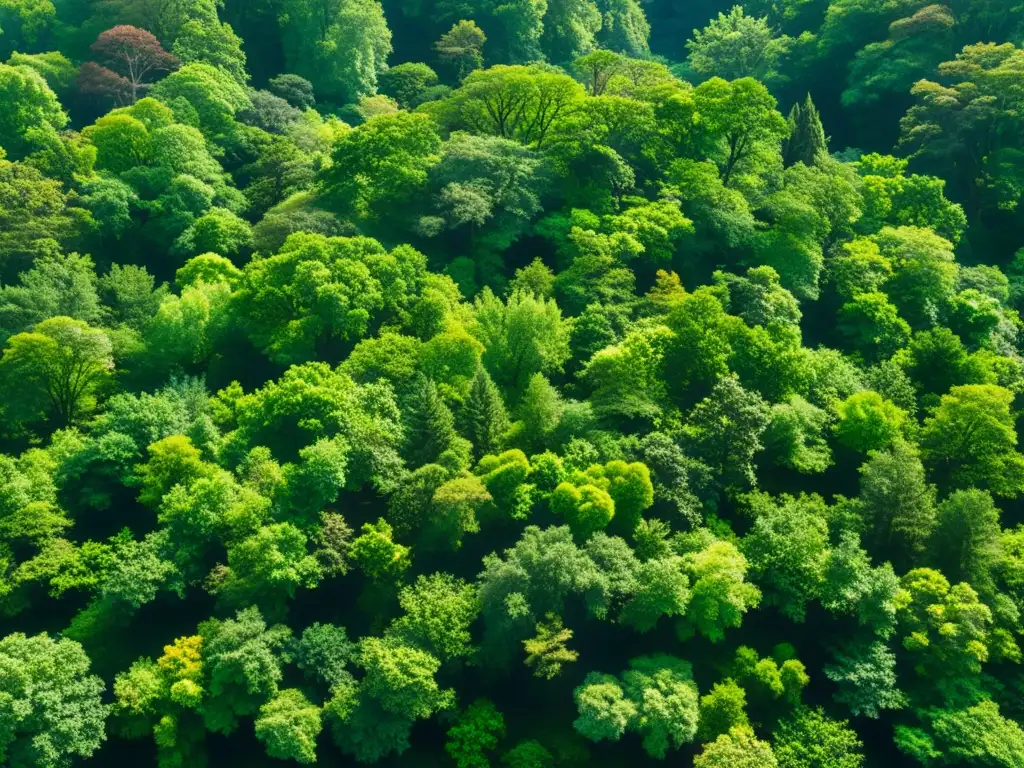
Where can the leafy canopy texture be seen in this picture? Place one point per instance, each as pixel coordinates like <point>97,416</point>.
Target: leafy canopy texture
<point>511,383</point>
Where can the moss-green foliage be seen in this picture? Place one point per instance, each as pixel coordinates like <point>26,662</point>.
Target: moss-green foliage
<point>511,383</point>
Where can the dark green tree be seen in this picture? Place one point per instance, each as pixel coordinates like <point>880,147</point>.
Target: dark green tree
<point>482,418</point>
<point>806,142</point>
<point>429,424</point>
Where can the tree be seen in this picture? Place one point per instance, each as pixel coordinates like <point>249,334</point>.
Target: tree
<point>967,541</point>
<point>851,586</point>
<point>513,102</point>
<point>154,697</point>
<point>916,44</point>
<point>662,590</point>
<point>52,706</point>
<point>656,698</point>
<point>316,32</point>
<point>380,165</point>
<point>362,729</point>
<point>266,569</point>
<point>899,503</point>
<point>809,738</point>
<point>795,436</point>
<point>130,57</point>
<point>460,48</point>
<point>721,710</point>
<point>865,673</point>
<point>519,27</point>
<point>946,629</point>
<point>742,127</point>
<point>586,508</point>
<point>528,754</point>
<point>377,554</point>
<point>289,724</point>
<point>215,44</point>
<point>482,417</point>
<point>294,89</point>
<point>324,652</point>
<point>546,652</point>
<point>166,17</point>
<point>25,23</point>
<point>667,702</point>
<point>868,422</point>
<point>936,361</point>
<point>57,370</point>
<point>477,731</point>
<point>131,293</point>
<point>122,142</point>
<point>569,29</point>
<point>959,127</point>
<point>487,184</point>
<point>277,302</point>
<point>242,660</point>
<point>537,576</point>
<point>28,104</point>
<point>873,327</point>
<point>629,486</point>
<point>978,733</point>
<point>924,271</point>
<point>858,267</point>
<point>624,377</point>
<point>738,748</point>
<point>208,92</point>
<point>604,710</point>
<point>57,70</point>
<point>315,480</point>
<point>725,429</point>
<point>57,284</point>
<point>439,610</point>
<point>216,231</point>
<point>772,678</point>
<point>807,141</point>
<point>734,45</point>
<point>891,197</point>
<point>406,83</point>
<point>400,678</point>
<point>521,336</point>
<point>970,440</point>
<point>505,478</point>
<point>596,280</point>
<point>787,548</point>
<point>430,426</point>
<point>625,29</point>
<point>330,405</point>
<point>719,592</point>
<point>597,68</point>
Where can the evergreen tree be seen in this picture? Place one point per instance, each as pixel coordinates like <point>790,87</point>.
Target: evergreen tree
<point>430,426</point>
<point>807,141</point>
<point>483,416</point>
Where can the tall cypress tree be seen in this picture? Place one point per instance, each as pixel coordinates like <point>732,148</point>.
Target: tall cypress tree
<point>429,424</point>
<point>807,140</point>
<point>483,418</point>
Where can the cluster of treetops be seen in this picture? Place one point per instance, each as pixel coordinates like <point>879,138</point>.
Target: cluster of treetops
<point>548,399</point>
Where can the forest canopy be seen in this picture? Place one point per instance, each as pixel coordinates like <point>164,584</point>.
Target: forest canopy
<point>528,384</point>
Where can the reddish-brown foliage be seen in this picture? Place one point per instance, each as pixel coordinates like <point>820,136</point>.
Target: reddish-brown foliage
<point>131,54</point>
<point>105,83</point>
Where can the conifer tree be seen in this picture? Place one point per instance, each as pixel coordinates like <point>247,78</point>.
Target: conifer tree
<point>807,140</point>
<point>483,418</point>
<point>430,426</point>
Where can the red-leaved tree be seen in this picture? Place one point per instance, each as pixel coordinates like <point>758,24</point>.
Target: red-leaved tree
<point>131,57</point>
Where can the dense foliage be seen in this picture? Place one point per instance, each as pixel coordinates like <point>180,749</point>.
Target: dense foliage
<point>525,383</point>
